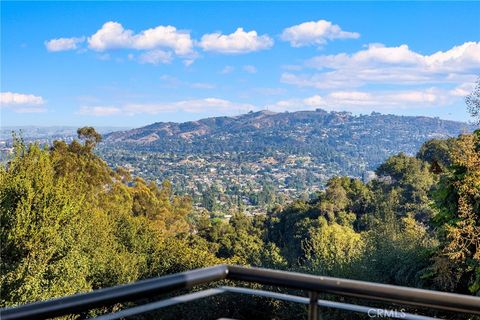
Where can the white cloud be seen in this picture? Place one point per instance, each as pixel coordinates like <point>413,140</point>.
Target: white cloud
<point>22,103</point>
<point>11,98</point>
<point>191,106</point>
<point>315,33</point>
<point>249,69</point>
<point>392,65</point>
<point>463,57</point>
<point>463,89</point>
<point>235,43</point>
<point>387,100</point>
<point>156,57</point>
<point>161,41</point>
<point>165,36</point>
<point>63,44</point>
<point>98,111</point>
<point>362,101</point>
<point>113,35</point>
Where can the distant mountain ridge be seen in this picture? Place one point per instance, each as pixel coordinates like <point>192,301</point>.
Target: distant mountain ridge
<point>187,130</point>
<point>265,119</point>
<point>353,143</point>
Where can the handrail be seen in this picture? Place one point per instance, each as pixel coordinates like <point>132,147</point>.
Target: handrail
<point>154,306</point>
<point>108,296</point>
<point>314,284</point>
<point>325,303</point>
<point>358,289</point>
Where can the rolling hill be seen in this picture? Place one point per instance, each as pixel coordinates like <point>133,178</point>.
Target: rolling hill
<point>331,136</point>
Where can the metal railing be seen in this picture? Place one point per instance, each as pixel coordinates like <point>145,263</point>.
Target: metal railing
<point>314,285</point>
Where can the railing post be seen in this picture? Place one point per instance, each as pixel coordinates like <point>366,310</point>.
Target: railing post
<point>313,306</point>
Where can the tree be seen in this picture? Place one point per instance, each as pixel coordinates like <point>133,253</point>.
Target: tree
<point>71,224</point>
<point>412,181</point>
<point>473,102</point>
<point>458,202</point>
<point>333,250</point>
<point>397,253</point>
<point>437,152</point>
<point>90,135</point>
<point>42,231</point>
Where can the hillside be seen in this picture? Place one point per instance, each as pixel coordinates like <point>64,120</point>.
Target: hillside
<point>328,135</point>
<point>263,157</point>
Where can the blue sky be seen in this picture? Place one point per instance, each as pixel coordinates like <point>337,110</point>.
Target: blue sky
<point>131,64</point>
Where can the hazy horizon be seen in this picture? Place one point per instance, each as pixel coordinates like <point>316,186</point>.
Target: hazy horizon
<point>106,127</point>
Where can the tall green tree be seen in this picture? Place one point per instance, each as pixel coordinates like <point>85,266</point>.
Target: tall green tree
<point>458,202</point>
<point>42,232</point>
<point>71,224</point>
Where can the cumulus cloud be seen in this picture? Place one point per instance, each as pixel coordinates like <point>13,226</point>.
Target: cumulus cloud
<point>315,33</point>
<point>463,57</point>
<point>392,65</point>
<point>363,101</point>
<point>113,35</point>
<point>235,43</point>
<point>98,111</point>
<point>22,103</point>
<point>63,44</point>
<point>159,44</point>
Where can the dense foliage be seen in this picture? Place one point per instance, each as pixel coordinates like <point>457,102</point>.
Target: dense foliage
<point>70,224</point>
